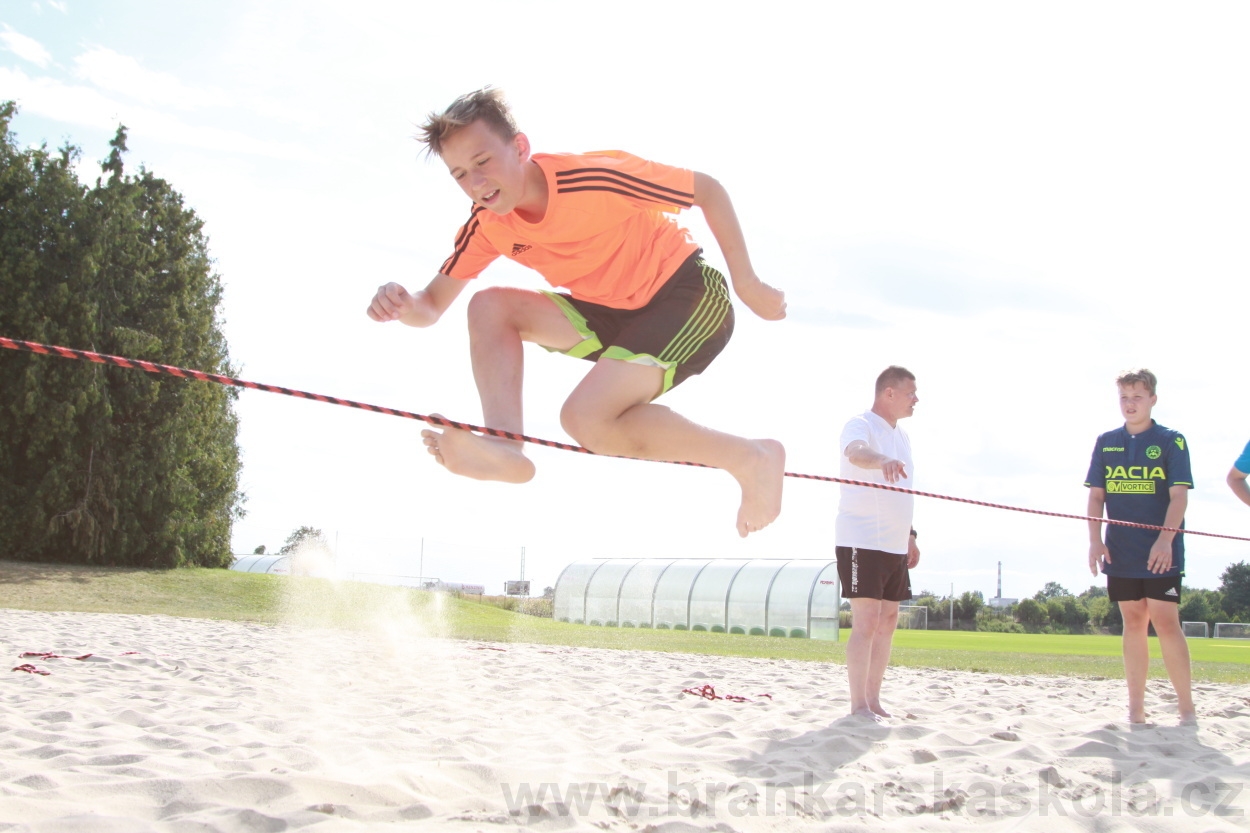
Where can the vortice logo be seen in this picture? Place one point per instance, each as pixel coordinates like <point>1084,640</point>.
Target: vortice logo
<point>1130,487</point>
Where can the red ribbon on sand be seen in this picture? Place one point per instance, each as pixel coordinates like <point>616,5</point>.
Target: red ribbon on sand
<point>708,692</point>
<point>30,669</point>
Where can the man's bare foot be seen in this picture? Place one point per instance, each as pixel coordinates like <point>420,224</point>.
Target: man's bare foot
<point>868,714</point>
<point>878,709</point>
<point>482,458</point>
<point>1137,715</point>
<point>761,482</point>
<point>1189,719</point>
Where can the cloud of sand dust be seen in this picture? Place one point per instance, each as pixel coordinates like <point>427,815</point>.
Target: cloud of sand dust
<point>392,617</point>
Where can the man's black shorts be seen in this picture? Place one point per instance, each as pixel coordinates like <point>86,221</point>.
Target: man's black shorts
<point>1133,589</point>
<point>872,574</point>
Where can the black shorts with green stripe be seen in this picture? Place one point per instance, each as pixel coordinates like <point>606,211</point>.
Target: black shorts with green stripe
<point>680,330</point>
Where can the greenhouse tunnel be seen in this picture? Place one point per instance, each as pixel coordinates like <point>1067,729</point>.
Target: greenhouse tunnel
<point>796,598</point>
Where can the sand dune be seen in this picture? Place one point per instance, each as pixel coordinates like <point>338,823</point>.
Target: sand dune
<point>193,725</point>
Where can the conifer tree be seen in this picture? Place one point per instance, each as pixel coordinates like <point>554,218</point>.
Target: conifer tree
<point>102,464</point>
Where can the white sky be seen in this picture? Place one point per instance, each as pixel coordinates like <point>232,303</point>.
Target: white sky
<point>1016,201</point>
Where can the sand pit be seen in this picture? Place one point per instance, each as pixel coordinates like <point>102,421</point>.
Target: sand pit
<point>195,725</point>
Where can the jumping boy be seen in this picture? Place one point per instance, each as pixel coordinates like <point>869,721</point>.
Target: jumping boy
<point>1140,472</point>
<point>640,301</point>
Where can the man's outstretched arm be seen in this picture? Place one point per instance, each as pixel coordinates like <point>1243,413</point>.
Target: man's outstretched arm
<point>864,457</point>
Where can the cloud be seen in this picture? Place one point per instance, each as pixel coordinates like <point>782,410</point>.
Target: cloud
<point>919,277</point>
<point>119,73</point>
<point>26,48</point>
<point>80,105</point>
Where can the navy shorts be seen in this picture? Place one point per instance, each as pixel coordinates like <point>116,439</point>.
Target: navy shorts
<point>1166,589</point>
<point>680,330</point>
<point>873,574</point>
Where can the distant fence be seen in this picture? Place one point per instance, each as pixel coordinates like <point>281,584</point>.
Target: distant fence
<point>421,583</point>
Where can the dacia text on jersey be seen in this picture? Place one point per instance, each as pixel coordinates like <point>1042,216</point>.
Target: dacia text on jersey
<point>1134,480</point>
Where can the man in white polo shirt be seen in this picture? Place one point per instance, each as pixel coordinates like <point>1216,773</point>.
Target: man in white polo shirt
<point>876,544</point>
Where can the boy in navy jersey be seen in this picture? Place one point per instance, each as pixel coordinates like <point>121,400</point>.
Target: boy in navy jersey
<point>1140,473</point>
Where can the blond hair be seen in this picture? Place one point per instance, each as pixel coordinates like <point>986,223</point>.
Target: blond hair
<point>1138,376</point>
<point>486,105</point>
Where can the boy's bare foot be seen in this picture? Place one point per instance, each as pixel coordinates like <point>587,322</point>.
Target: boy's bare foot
<point>868,714</point>
<point>761,482</point>
<point>878,709</point>
<point>1137,715</point>
<point>482,458</point>
<point>1189,719</point>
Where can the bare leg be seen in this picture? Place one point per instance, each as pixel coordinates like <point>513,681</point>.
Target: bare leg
<point>500,319</point>
<point>882,642</point>
<point>611,412</point>
<point>1136,656</point>
<point>866,617</point>
<point>1175,649</point>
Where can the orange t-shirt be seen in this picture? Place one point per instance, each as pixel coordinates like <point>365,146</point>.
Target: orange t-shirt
<point>605,237</point>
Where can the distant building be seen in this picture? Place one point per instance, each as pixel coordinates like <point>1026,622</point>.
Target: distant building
<point>998,601</point>
<point>792,598</point>
<point>454,587</point>
<point>260,563</point>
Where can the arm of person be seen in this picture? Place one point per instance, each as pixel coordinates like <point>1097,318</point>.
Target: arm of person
<point>1237,482</point>
<point>864,457</point>
<point>1098,551</point>
<point>712,198</point>
<point>913,552</point>
<point>1161,552</point>
<point>420,309</point>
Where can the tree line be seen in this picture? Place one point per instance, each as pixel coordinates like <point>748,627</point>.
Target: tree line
<point>1054,609</point>
<point>100,464</point>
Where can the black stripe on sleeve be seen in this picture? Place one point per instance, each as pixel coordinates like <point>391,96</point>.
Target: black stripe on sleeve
<point>561,177</point>
<point>656,198</point>
<point>477,209</point>
<point>462,241</point>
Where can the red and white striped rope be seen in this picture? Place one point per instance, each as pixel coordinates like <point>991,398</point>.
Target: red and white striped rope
<point>186,373</point>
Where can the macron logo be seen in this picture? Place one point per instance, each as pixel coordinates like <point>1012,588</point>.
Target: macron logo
<point>520,248</point>
<point>1171,591</point>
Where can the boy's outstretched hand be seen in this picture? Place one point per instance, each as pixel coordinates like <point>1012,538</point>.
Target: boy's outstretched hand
<point>765,301</point>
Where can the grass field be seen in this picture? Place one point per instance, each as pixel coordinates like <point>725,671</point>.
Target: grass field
<point>223,594</point>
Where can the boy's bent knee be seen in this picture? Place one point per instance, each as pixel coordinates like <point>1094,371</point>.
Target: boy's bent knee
<point>595,430</point>
<point>583,426</point>
<point>496,304</point>
<point>491,302</point>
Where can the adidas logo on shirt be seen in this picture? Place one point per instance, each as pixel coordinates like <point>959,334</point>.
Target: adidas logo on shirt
<point>1171,591</point>
<point>520,248</point>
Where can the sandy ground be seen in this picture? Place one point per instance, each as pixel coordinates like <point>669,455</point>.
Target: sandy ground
<point>193,725</point>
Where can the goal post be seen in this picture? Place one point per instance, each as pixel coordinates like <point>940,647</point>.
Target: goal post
<point>1196,630</point>
<point>913,617</point>
<point>1232,630</point>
